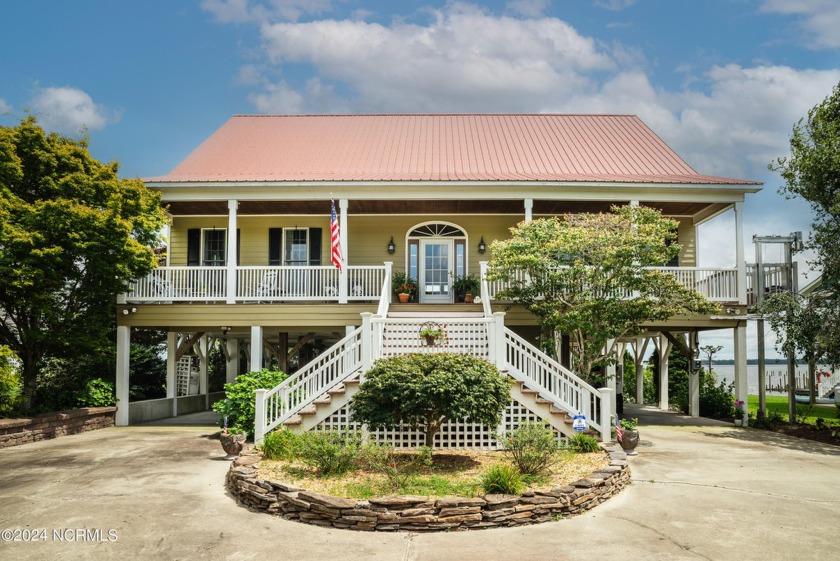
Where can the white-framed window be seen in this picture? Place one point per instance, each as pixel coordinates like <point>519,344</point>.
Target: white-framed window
<point>296,246</point>
<point>214,247</point>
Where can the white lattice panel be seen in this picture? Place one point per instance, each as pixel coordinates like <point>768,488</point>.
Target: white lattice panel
<point>182,375</point>
<point>400,337</point>
<point>454,434</point>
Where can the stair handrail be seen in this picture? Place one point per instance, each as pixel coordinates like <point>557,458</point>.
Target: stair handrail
<point>299,390</point>
<point>554,382</point>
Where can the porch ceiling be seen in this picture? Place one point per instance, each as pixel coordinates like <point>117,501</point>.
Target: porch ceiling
<point>541,207</point>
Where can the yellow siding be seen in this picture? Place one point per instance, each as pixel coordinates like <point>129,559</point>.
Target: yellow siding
<point>368,236</point>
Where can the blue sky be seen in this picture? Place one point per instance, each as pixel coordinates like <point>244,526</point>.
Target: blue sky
<point>722,81</point>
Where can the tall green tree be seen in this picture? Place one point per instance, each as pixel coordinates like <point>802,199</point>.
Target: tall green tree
<point>812,172</point>
<point>72,235</point>
<point>805,328</point>
<point>587,275</point>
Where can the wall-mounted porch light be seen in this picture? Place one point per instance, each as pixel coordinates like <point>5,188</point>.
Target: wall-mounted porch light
<point>482,247</point>
<point>391,247</point>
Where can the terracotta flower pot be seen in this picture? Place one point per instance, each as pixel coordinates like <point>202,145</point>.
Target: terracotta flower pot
<point>404,297</point>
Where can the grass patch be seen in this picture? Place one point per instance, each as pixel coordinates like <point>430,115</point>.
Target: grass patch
<point>808,413</point>
<point>450,473</point>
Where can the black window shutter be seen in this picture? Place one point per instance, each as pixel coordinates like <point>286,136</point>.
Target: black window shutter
<point>275,246</point>
<point>315,246</point>
<point>238,238</point>
<point>194,247</point>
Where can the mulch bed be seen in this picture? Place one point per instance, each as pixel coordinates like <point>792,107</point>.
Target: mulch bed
<point>811,432</point>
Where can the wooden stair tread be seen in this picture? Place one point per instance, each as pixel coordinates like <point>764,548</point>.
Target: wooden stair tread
<point>292,421</point>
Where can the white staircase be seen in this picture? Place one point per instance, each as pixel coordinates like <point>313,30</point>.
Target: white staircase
<point>319,394</point>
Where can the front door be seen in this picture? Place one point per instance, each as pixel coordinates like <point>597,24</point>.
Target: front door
<point>435,270</point>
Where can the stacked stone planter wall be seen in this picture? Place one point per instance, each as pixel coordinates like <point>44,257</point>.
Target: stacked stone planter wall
<point>423,514</point>
<point>51,425</point>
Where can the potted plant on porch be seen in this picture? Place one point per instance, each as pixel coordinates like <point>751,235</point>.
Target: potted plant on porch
<point>466,288</point>
<point>404,287</point>
<point>432,333</point>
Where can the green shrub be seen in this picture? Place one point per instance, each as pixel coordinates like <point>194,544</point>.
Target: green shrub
<point>96,393</point>
<point>426,390</point>
<point>240,401</point>
<point>583,443</point>
<point>716,400</point>
<point>330,452</point>
<point>281,444</point>
<point>502,479</point>
<point>533,447</point>
<point>10,387</point>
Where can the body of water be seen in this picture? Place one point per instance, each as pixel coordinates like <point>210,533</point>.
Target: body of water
<point>776,377</point>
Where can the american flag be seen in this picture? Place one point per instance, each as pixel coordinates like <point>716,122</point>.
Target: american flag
<point>618,432</point>
<point>335,241</point>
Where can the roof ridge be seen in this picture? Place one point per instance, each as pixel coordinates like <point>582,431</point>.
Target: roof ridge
<point>260,115</point>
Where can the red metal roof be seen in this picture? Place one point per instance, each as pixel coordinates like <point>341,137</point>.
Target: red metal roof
<point>283,148</point>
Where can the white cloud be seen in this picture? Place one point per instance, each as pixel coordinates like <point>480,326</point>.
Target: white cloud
<point>70,110</point>
<point>820,19</point>
<point>463,60</point>
<point>278,98</point>
<point>4,107</point>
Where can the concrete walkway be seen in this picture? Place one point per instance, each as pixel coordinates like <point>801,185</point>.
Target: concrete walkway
<point>699,492</point>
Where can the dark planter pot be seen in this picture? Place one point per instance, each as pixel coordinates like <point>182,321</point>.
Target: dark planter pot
<point>430,340</point>
<point>629,441</point>
<point>232,444</point>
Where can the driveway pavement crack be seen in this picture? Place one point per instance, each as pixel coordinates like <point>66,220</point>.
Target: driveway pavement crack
<point>737,490</point>
<point>664,536</point>
<point>409,537</point>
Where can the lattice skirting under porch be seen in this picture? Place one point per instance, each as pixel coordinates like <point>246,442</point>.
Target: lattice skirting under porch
<point>453,434</point>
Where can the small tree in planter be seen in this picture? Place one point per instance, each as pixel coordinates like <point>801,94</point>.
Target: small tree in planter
<point>424,391</point>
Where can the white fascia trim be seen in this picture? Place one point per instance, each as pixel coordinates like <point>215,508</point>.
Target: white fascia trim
<point>728,193</point>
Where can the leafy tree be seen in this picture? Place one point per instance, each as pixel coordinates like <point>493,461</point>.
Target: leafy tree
<point>587,275</point>
<point>812,171</point>
<point>426,390</point>
<point>710,351</point>
<point>804,328</point>
<point>72,236</point>
<point>9,383</point>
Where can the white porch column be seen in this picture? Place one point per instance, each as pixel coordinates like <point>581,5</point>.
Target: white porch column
<point>233,204</point>
<point>740,356</point>
<point>740,259</point>
<point>693,379</point>
<point>342,283</point>
<point>171,351</point>
<point>639,350</point>
<point>203,386</point>
<point>123,364</point>
<point>256,347</point>
<point>664,349</point>
<point>609,374</point>
<point>232,365</point>
<point>607,397</point>
<point>529,210</point>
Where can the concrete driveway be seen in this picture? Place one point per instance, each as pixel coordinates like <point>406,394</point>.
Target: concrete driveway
<point>699,492</point>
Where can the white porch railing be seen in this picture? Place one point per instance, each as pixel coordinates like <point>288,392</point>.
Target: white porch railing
<point>299,390</point>
<point>485,337</point>
<point>181,284</point>
<point>716,284</point>
<point>259,284</point>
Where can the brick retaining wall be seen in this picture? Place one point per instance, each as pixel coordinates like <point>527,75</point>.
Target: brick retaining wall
<point>50,425</point>
<point>423,514</point>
